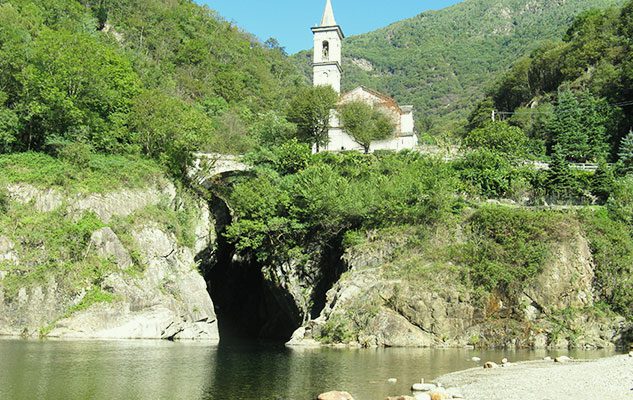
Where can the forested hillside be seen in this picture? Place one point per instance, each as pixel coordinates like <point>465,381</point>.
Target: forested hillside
<point>133,76</point>
<point>442,61</point>
<point>574,96</point>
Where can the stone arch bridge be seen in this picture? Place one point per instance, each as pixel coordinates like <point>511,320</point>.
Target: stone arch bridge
<point>208,166</point>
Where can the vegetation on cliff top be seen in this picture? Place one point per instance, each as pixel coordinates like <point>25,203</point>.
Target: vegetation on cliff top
<point>573,95</point>
<point>297,201</point>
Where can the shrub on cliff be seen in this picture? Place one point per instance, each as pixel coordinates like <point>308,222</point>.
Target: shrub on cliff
<point>508,247</point>
<point>283,208</point>
<point>612,249</point>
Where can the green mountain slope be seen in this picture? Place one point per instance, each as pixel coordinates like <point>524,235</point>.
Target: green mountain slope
<point>443,61</point>
<point>160,76</point>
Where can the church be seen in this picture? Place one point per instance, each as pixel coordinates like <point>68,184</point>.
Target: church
<point>328,70</point>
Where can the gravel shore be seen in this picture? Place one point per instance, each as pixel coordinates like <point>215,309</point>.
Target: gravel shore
<point>605,379</point>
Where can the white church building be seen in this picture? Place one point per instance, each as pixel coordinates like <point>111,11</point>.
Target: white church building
<point>328,70</point>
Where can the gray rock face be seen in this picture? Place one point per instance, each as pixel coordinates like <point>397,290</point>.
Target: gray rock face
<point>169,301</point>
<point>7,254</point>
<point>121,203</point>
<point>379,307</point>
<point>107,245</point>
<point>44,200</point>
<point>165,297</point>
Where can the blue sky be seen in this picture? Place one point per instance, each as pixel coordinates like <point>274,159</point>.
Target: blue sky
<point>289,21</point>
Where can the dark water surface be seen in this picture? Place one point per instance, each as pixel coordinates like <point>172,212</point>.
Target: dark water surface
<point>153,370</point>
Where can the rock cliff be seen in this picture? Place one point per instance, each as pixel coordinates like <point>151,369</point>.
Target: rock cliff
<point>393,296</point>
<point>132,277</point>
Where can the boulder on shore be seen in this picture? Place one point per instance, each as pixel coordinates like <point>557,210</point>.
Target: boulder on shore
<point>423,387</point>
<point>335,395</point>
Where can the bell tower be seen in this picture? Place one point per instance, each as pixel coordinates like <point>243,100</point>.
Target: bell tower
<point>328,39</point>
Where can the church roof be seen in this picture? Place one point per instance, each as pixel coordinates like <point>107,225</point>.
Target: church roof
<point>386,100</point>
<point>328,15</point>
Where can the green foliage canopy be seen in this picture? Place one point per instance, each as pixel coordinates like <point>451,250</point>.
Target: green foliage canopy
<point>364,123</point>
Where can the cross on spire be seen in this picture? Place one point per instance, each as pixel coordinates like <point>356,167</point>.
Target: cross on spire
<point>328,15</point>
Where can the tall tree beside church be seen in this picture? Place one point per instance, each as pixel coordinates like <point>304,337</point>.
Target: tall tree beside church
<point>310,110</point>
<point>364,123</point>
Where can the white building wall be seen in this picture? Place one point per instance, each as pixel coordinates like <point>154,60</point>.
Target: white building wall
<point>407,124</point>
<point>327,74</point>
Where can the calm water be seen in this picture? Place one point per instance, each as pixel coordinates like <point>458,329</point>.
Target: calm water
<point>154,370</point>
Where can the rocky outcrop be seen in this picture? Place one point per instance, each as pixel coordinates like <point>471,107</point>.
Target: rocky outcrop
<point>121,203</point>
<point>155,290</point>
<point>107,245</point>
<point>43,200</point>
<point>379,302</point>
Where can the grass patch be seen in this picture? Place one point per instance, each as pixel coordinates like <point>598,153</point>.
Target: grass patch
<point>99,174</point>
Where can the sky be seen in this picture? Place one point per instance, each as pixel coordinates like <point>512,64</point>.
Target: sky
<point>289,21</point>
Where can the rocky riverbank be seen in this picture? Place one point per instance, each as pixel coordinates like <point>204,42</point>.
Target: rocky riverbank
<point>561,378</point>
<point>605,379</point>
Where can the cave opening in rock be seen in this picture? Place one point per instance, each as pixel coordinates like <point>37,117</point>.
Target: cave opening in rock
<point>249,307</point>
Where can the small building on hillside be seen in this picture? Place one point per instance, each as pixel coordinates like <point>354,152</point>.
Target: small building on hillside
<point>328,70</point>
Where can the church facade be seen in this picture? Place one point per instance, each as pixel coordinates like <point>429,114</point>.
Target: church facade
<point>328,70</point>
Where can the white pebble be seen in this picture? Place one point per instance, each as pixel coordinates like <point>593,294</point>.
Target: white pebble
<point>392,380</point>
<point>476,359</point>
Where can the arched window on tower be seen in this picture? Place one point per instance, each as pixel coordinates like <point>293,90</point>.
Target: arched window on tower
<point>326,50</point>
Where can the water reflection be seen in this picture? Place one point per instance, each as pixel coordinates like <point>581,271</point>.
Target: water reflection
<point>150,370</point>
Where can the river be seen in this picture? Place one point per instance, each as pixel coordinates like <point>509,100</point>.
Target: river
<point>153,370</point>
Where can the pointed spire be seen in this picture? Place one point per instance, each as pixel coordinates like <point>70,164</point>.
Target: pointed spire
<point>328,15</point>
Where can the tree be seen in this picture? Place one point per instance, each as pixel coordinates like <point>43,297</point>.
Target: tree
<point>626,154</point>
<point>364,123</point>
<point>579,127</point>
<point>560,180</point>
<point>310,110</point>
<point>514,88</point>
<point>272,129</point>
<point>499,137</point>
<point>76,88</point>
<point>169,129</point>
<point>602,182</point>
<point>567,131</point>
<point>481,114</point>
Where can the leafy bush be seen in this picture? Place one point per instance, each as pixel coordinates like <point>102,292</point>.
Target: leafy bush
<point>491,174</point>
<point>508,247</point>
<point>499,137</point>
<point>612,249</point>
<point>284,207</point>
<point>620,204</point>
